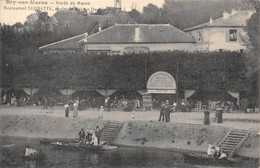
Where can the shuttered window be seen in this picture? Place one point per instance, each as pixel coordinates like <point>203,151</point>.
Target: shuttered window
<point>232,35</point>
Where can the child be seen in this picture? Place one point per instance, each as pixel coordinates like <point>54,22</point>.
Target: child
<point>101,110</point>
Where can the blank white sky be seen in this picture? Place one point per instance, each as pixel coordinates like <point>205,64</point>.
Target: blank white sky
<point>10,17</point>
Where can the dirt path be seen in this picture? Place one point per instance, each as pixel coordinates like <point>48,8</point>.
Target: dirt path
<point>249,121</point>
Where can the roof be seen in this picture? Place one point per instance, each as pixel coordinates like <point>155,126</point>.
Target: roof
<point>234,20</point>
<point>66,43</point>
<point>69,16</point>
<point>149,33</point>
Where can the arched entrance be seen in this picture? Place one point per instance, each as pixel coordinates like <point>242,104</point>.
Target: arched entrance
<point>161,86</point>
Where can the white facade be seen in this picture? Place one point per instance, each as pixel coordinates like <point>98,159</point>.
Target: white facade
<point>114,49</point>
<point>219,38</point>
<point>221,34</point>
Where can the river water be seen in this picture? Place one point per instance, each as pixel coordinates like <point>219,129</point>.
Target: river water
<point>122,157</point>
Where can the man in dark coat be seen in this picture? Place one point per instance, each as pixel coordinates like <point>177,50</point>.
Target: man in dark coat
<point>206,117</point>
<point>81,136</point>
<point>98,134</point>
<point>220,116</point>
<point>162,112</point>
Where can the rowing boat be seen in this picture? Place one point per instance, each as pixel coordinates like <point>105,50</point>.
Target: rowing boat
<point>199,157</point>
<point>80,147</point>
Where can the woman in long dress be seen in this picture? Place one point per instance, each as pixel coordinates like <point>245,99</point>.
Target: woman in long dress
<point>94,140</point>
<point>220,116</point>
<point>206,117</point>
<point>75,109</point>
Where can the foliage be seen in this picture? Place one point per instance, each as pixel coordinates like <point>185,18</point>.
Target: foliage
<point>207,71</point>
<point>135,14</point>
<point>252,56</point>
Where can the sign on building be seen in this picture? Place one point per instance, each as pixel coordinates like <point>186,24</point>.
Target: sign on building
<point>161,83</point>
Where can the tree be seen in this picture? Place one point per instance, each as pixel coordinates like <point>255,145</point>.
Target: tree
<point>135,14</point>
<point>150,14</point>
<point>252,56</point>
<point>99,12</point>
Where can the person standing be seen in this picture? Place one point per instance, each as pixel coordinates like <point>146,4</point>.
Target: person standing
<point>206,117</point>
<point>216,115</point>
<point>45,105</point>
<point>101,110</point>
<point>162,112</point>
<point>67,110</point>
<point>98,134</point>
<point>167,111</point>
<point>220,113</point>
<point>81,136</point>
<point>95,140</point>
<point>75,109</point>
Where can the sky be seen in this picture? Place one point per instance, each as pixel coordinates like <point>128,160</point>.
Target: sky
<point>12,11</point>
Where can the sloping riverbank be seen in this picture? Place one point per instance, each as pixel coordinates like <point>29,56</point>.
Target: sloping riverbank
<point>185,137</point>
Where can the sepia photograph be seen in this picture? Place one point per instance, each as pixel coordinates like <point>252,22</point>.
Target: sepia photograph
<point>129,83</point>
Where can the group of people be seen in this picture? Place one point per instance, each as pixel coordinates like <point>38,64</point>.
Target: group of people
<point>75,109</point>
<point>15,100</point>
<point>216,152</point>
<point>90,137</point>
<point>218,116</point>
<point>166,110</point>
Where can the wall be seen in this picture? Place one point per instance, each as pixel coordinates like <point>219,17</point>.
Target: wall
<point>152,46</point>
<point>172,136</point>
<point>216,38</point>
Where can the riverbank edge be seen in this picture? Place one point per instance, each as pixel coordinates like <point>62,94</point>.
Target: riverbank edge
<point>183,151</point>
<point>58,127</point>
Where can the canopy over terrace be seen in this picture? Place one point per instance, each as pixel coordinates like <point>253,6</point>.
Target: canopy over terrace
<point>219,95</point>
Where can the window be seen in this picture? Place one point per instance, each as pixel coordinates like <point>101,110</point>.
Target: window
<point>241,50</point>
<point>232,35</point>
<point>98,52</point>
<point>220,50</point>
<point>199,34</point>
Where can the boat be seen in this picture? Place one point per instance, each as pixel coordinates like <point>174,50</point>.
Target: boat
<point>81,147</point>
<point>204,158</point>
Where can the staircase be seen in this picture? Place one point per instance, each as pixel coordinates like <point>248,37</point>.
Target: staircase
<point>109,131</point>
<point>233,140</point>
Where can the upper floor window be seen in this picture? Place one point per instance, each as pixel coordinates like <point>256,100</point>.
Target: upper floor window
<point>232,35</point>
<point>199,35</point>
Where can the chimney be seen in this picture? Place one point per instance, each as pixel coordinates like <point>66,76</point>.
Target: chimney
<point>225,15</point>
<point>99,28</point>
<point>137,34</point>
<point>210,20</point>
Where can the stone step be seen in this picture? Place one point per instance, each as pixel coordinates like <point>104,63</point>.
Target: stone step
<point>228,143</point>
<point>231,141</point>
<point>111,128</point>
<point>228,146</point>
<point>235,136</point>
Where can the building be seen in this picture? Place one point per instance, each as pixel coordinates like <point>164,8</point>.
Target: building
<point>66,46</point>
<point>125,39</point>
<point>75,22</point>
<point>224,33</point>
<point>137,38</point>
